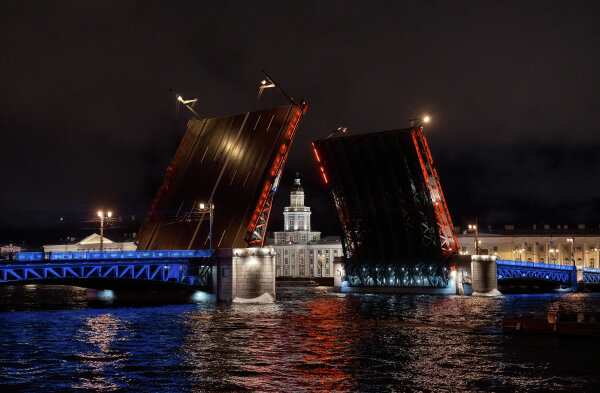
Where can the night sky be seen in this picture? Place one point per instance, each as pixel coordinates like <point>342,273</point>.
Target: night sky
<point>88,121</point>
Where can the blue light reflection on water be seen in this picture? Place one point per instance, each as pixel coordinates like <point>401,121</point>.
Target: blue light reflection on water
<point>311,339</point>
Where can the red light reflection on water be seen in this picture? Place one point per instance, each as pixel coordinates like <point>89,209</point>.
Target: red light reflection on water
<point>327,355</point>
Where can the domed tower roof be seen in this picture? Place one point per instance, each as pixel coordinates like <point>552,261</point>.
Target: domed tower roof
<point>297,187</point>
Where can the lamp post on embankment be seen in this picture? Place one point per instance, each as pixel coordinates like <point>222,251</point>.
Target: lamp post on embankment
<point>102,219</point>
<point>211,208</point>
<point>473,227</point>
<point>203,208</point>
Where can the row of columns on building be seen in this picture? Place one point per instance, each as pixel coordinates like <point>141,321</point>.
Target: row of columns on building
<point>560,253</point>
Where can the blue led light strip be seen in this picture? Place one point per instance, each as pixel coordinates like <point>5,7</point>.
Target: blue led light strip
<point>104,255</point>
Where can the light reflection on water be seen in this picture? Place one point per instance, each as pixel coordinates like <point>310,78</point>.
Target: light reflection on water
<point>99,360</point>
<point>310,340</point>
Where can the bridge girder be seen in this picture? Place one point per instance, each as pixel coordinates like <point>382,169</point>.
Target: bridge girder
<point>189,268</point>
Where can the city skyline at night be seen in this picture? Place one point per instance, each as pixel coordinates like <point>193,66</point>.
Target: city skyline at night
<point>266,196</point>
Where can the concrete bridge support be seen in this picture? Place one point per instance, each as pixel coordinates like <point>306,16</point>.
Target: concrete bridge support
<point>339,272</point>
<point>485,275</point>
<point>244,275</point>
<point>462,275</point>
<point>475,275</point>
<point>577,281</point>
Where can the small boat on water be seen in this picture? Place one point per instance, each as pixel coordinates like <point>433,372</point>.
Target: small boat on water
<point>563,323</point>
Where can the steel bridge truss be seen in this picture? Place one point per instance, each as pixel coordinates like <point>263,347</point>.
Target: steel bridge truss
<point>388,198</point>
<point>173,271</point>
<point>444,222</point>
<point>185,267</point>
<point>529,270</point>
<point>398,275</point>
<point>258,225</point>
<point>349,242</point>
<point>591,275</point>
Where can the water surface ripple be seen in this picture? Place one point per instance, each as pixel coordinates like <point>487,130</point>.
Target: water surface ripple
<point>310,340</point>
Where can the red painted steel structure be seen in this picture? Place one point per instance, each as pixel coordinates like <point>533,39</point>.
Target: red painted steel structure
<point>231,165</point>
<point>258,224</point>
<point>448,240</point>
<point>443,222</point>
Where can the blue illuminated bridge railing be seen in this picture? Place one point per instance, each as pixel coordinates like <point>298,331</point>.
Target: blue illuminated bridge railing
<point>173,266</point>
<point>110,255</point>
<point>591,275</point>
<point>508,269</point>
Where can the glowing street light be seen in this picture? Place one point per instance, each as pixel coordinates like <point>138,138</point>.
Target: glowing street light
<point>203,208</point>
<point>265,84</point>
<point>102,218</point>
<point>473,227</point>
<point>416,122</point>
<point>188,103</point>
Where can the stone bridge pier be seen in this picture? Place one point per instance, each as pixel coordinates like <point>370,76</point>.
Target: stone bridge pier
<point>244,275</point>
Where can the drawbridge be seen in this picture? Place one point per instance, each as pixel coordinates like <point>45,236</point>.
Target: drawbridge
<point>396,227</point>
<point>219,188</point>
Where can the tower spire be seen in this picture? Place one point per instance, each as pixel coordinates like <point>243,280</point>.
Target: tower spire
<point>297,215</point>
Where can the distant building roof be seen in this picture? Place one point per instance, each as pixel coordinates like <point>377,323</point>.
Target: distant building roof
<point>533,230</point>
<point>94,238</point>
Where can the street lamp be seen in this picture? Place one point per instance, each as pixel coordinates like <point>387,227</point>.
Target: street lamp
<point>519,253</point>
<point>474,228</point>
<point>102,218</point>
<point>416,121</point>
<point>203,208</point>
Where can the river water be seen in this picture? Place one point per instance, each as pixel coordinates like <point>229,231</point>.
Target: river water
<point>311,339</point>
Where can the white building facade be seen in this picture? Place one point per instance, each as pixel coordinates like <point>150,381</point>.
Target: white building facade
<point>91,243</point>
<point>300,251</point>
<point>561,246</point>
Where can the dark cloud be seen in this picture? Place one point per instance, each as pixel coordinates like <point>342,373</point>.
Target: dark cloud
<point>87,119</point>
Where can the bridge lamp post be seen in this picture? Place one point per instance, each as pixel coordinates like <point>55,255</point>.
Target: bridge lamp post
<point>102,218</point>
<point>211,208</point>
<point>474,228</point>
<point>519,253</point>
<point>417,121</point>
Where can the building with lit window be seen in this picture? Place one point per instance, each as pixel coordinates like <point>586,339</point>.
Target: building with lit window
<point>561,245</point>
<point>91,243</point>
<point>300,251</point>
